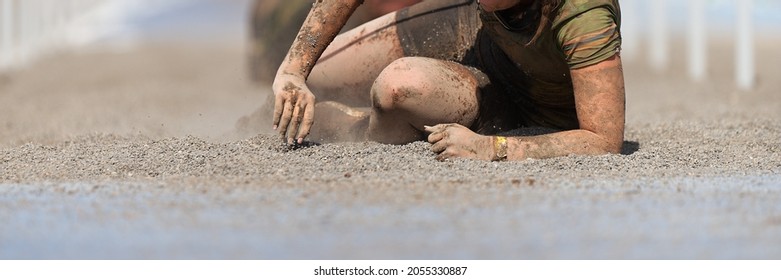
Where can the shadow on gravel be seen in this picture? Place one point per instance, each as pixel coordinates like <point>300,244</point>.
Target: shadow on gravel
<point>292,147</point>
<point>630,147</point>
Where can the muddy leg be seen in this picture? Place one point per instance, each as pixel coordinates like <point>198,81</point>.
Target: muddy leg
<point>350,64</point>
<point>413,92</point>
<point>344,75</point>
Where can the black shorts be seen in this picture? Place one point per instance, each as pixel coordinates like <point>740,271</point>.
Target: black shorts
<point>452,30</point>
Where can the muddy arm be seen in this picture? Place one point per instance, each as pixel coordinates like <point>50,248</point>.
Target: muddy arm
<point>321,26</point>
<point>600,103</point>
<point>294,103</point>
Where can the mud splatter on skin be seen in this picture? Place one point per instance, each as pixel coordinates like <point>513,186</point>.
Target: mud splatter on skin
<point>602,106</point>
<point>601,110</point>
<point>403,93</point>
<point>479,148</point>
<point>433,36</point>
<point>290,86</point>
<point>385,34</point>
<point>542,146</point>
<point>441,91</point>
<point>348,68</point>
<point>319,29</point>
<point>461,145</point>
<point>453,79</point>
<point>398,97</point>
<point>467,111</point>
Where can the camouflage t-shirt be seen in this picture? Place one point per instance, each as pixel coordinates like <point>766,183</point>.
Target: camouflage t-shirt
<point>582,33</point>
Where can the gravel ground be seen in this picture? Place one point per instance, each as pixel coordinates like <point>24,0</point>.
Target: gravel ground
<point>134,155</point>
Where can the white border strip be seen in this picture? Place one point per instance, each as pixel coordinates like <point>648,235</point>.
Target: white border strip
<point>603,270</point>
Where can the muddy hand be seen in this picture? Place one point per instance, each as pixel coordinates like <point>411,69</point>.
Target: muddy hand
<point>294,109</point>
<point>456,141</point>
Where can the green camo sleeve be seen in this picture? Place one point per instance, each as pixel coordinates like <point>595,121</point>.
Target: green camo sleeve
<point>589,38</point>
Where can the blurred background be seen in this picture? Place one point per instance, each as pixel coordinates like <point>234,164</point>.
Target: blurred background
<point>33,29</point>
<point>197,66</point>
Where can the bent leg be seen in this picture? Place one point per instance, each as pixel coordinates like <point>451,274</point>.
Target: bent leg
<point>442,29</point>
<point>347,69</point>
<point>413,92</point>
<point>346,73</point>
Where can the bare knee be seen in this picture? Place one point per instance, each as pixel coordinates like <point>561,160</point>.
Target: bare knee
<point>399,85</point>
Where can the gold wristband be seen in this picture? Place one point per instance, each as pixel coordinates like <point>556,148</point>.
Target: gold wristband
<point>500,148</point>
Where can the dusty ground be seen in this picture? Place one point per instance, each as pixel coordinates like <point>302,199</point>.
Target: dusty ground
<point>134,155</point>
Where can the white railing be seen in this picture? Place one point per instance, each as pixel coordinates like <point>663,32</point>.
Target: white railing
<point>697,41</point>
<point>652,20</point>
<point>31,28</point>
<point>744,51</point>
<point>7,46</point>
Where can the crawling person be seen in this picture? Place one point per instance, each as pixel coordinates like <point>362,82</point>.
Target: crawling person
<point>460,74</point>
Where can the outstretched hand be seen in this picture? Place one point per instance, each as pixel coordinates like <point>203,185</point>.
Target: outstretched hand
<point>294,108</point>
<point>457,141</point>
